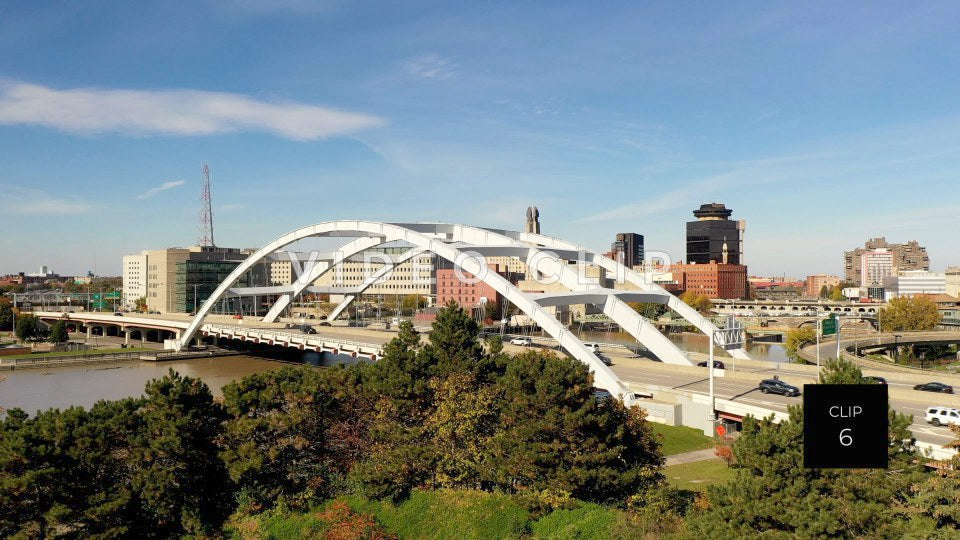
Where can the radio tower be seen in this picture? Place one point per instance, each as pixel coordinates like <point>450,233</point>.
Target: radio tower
<point>205,230</point>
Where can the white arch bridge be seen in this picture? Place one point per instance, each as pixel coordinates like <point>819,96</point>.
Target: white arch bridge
<point>460,245</point>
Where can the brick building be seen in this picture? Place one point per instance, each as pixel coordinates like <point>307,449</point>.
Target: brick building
<point>715,280</point>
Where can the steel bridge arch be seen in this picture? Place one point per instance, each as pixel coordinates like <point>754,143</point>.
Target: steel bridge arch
<point>451,242</point>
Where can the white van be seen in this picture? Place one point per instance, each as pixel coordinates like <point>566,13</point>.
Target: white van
<point>940,416</point>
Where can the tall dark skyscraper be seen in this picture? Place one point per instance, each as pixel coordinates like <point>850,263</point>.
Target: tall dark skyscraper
<point>628,249</point>
<point>714,236</point>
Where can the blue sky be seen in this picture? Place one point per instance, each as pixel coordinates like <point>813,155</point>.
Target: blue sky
<point>821,124</point>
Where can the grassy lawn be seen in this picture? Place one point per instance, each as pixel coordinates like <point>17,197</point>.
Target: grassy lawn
<point>72,353</point>
<point>698,475</point>
<point>680,439</point>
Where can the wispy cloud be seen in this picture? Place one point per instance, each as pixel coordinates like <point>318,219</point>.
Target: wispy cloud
<point>430,66</point>
<point>30,202</point>
<point>171,112</point>
<point>162,187</point>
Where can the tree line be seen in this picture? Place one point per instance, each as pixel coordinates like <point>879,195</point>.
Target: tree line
<point>445,413</point>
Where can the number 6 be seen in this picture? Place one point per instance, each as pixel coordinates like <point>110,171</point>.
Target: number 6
<point>845,440</point>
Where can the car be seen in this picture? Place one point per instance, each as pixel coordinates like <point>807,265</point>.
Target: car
<point>309,330</point>
<point>716,364</point>
<point>594,347</point>
<point>934,387</point>
<point>939,416</point>
<point>604,358</point>
<point>776,386</point>
<point>521,341</point>
<point>325,323</point>
<point>874,379</point>
<point>118,314</point>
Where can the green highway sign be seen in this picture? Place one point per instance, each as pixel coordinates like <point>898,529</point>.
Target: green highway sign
<point>828,327</point>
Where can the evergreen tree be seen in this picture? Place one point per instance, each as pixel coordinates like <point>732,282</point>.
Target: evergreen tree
<point>274,442</point>
<point>180,477</point>
<point>455,345</point>
<point>58,333</point>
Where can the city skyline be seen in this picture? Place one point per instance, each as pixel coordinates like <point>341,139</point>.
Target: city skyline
<point>820,127</point>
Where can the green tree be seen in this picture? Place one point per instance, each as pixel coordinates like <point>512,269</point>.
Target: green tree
<point>797,339</point>
<point>824,291</point>
<point>58,332</point>
<point>909,314</point>
<point>649,310</point>
<point>274,444</point>
<point>180,477</point>
<point>140,304</point>
<point>556,435</point>
<point>28,327</point>
<point>836,294</point>
<point>455,345</point>
<point>6,314</point>
<point>774,495</point>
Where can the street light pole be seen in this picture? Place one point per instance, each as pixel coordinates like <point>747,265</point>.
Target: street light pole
<point>817,333</point>
<point>713,402</point>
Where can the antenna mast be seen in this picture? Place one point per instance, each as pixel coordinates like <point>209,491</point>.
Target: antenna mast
<point>205,234</point>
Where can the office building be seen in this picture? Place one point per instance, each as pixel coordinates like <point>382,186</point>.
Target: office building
<point>715,280</point>
<point>907,256</point>
<point>627,249</point>
<point>914,282</point>
<point>134,279</point>
<point>174,280</point>
<point>714,237</point>
<point>952,277</point>
<point>875,266</point>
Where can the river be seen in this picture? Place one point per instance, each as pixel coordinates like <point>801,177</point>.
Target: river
<point>43,388</point>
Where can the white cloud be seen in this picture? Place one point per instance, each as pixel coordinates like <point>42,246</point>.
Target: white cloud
<point>171,112</point>
<point>162,187</point>
<point>29,202</point>
<point>430,66</point>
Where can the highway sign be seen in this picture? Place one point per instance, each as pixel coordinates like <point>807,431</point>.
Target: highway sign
<point>829,326</point>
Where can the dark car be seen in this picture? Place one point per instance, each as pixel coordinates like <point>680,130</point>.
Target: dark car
<point>874,379</point>
<point>605,359</point>
<point>934,387</point>
<point>118,314</point>
<point>776,386</point>
<point>716,364</point>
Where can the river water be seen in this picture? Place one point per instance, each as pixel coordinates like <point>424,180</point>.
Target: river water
<point>43,388</point>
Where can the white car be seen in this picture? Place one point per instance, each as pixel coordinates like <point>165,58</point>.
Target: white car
<point>521,341</point>
<point>940,416</point>
<point>594,347</point>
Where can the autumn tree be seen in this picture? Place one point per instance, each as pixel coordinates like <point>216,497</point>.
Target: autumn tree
<point>797,339</point>
<point>699,302</point>
<point>906,314</point>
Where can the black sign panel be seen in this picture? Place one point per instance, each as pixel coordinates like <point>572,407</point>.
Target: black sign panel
<point>845,426</point>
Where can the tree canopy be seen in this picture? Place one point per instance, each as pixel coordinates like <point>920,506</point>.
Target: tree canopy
<point>905,314</point>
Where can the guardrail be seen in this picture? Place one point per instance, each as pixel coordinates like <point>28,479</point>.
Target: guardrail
<point>52,361</point>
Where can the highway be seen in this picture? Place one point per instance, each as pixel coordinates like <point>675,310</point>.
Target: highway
<point>636,370</point>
